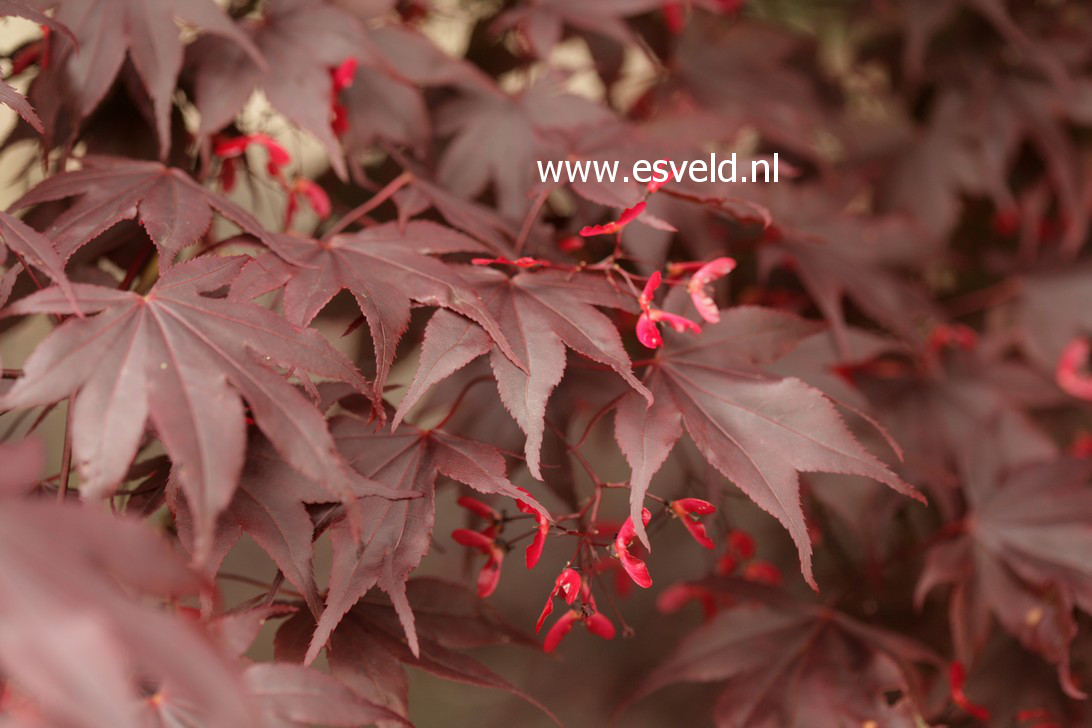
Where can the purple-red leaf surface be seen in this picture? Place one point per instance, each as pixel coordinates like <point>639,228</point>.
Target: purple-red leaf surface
<point>185,362</point>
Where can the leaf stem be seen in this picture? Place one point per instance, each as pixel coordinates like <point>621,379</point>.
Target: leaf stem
<point>373,202</point>
<point>136,267</point>
<point>459,401</point>
<point>532,215</point>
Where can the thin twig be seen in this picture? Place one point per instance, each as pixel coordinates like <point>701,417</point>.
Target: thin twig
<point>66,456</point>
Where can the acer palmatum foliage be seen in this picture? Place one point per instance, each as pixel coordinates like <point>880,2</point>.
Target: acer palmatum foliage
<point>283,276</point>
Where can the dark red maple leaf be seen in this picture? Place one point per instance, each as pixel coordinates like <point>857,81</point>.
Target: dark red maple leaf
<point>757,429</point>
<point>368,649</point>
<point>476,220</point>
<point>19,9</point>
<point>938,411</point>
<point>270,506</point>
<point>764,89</point>
<point>289,694</point>
<point>395,535</point>
<point>80,599</point>
<point>16,101</point>
<point>497,138</point>
<point>9,96</point>
<point>174,209</point>
<point>541,314</point>
<point>839,671</point>
<point>1053,307</point>
<point>106,31</point>
<point>187,362</point>
<point>934,185</point>
<point>838,256</point>
<point>386,100</point>
<point>1015,553</point>
<point>33,248</point>
<point>543,22</point>
<point>300,42</point>
<point>387,268</point>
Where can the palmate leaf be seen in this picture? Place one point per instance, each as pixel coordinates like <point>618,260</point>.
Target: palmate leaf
<point>395,535</point>
<point>187,362</point>
<point>75,591</point>
<point>270,505</point>
<point>757,429</point>
<point>838,256</point>
<point>477,221</point>
<point>838,671</point>
<point>293,695</point>
<point>1053,308</point>
<point>496,139</point>
<point>387,268</point>
<point>300,41</point>
<point>106,32</point>
<point>385,99</point>
<point>368,649</point>
<point>174,210</point>
<point>1019,554</point>
<point>544,22</point>
<point>33,248</point>
<point>16,8</point>
<point>541,314</point>
<point>9,96</point>
<point>16,101</point>
<point>938,415</point>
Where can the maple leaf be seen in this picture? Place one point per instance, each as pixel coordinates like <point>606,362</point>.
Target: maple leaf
<point>936,415</point>
<point>368,648</point>
<point>174,210</point>
<point>960,152</point>
<point>300,42</point>
<point>15,8</point>
<point>757,429</point>
<point>186,361</point>
<point>386,269</point>
<point>295,695</point>
<point>837,255</point>
<point>269,505</point>
<point>16,101</point>
<point>395,535</point>
<point>496,139</point>
<point>783,659</point>
<point>1014,554</point>
<point>478,221</point>
<point>379,105</point>
<point>9,96</point>
<point>33,248</point>
<point>237,630</point>
<point>541,314</point>
<point>83,599</point>
<point>543,22</point>
<point>764,90</point>
<point>106,31</point>
<point>1031,696</point>
<point>385,99</point>
<point>1053,308</point>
